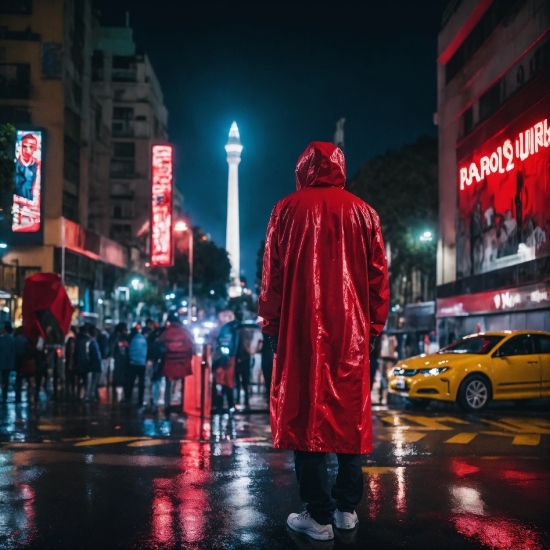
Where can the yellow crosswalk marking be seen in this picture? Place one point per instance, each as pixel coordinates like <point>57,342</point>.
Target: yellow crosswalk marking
<point>461,438</point>
<point>434,423</point>
<point>529,439</point>
<point>403,436</point>
<point>106,441</point>
<point>146,443</point>
<point>517,426</point>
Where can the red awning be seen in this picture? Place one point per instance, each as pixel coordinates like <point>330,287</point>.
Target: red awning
<point>47,310</point>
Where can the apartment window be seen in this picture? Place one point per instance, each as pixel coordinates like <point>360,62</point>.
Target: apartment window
<point>97,66</point>
<point>123,122</point>
<point>468,118</point>
<point>494,15</point>
<point>122,163</point>
<point>124,68</point>
<point>118,95</point>
<point>72,124</point>
<point>14,115</point>
<point>51,61</point>
<point>15,81</point>
<point>122,210</point>
<point>71,160</point>
<point>70,207</point>
<point>22,7</point>
<point>121,231</point>
<point>490,101</point>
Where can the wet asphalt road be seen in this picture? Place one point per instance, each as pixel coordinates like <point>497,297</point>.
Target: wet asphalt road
<point>92,476</point>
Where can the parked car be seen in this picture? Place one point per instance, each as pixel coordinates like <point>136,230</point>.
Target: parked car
<point>478,369</point>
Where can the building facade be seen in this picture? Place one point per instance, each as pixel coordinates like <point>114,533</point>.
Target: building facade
<point>494,167</point>
<point>127,89</point>
<point>85,119</point>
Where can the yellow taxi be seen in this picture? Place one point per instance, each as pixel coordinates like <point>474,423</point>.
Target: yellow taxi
<point>510,364</point>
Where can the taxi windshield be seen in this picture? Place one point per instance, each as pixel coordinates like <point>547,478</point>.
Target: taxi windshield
<point>473,344</point>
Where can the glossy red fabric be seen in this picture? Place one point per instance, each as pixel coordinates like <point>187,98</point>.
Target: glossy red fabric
<point>44,291</point>
<point>325,295</point>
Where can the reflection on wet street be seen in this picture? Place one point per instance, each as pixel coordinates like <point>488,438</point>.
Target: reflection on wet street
<point>96,477</point>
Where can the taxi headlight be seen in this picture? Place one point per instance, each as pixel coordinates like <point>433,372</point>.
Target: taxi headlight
<point>397,371</point>
<point>434,371</point>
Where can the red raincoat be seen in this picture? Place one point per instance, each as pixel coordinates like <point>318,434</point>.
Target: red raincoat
<point>325,294</point>
<point>179,352</point>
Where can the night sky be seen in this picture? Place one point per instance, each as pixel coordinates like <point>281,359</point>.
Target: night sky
<point>285,74</point>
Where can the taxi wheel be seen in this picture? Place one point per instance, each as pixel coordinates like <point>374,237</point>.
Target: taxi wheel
<point>474,393</point>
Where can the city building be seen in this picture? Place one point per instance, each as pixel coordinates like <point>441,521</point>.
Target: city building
<point>494,167</point>
<point>85,123</point>
<point>128,92</point>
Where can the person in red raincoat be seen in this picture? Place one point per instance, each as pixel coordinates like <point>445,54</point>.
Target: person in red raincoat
<point>178,346</point>
<point>324,299</point>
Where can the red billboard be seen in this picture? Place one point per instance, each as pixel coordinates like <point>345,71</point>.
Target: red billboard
<point>161,206</point>
<point>27,194</point>
<point>504,196</point>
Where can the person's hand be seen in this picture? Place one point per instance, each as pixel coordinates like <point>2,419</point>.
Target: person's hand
<point>372,345</point>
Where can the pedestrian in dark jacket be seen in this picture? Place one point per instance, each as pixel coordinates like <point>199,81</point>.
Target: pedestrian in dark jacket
<point>82,358</point>
<point>120,355</point>
<point>71,375</point>
<point>21,347</point>
<point>137,358</point>
<point>7,357</point>
<point>94,365</point>
<point>324,299</point>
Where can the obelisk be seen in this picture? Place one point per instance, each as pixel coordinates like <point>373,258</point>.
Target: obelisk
<point>232,238</point>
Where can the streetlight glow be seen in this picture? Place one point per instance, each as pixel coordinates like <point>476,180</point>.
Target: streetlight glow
<point>3,245</point>
<point>180,227</point>
<point>426,236</point>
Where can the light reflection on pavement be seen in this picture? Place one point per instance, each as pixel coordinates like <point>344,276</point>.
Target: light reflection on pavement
<point>107,478</point>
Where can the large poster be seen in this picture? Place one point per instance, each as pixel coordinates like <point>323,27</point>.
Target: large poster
<point>27,196</point>
<point>504,196</point>
<point>161,206</point>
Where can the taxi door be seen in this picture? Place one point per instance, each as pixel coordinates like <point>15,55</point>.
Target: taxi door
<point>544,353</point>
<point>517,369</point>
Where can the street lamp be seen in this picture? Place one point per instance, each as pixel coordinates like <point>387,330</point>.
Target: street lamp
<point>180,227</point>
<point>426,236</point>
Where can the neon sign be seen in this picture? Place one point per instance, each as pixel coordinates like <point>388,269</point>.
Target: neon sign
<point>527,143</point>
<point>503,215</point>
<point>27,196</point>
<point>161,206</point>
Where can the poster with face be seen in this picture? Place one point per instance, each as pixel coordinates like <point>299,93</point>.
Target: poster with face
<point>503,213</point>
<point>26,212</point>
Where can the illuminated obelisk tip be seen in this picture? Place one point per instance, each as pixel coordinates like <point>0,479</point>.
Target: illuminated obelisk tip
<point>232,240</point>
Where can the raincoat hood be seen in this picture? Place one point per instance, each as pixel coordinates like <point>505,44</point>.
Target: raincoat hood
<point>322,164</point>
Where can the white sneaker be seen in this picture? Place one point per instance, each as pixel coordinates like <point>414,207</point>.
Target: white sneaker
<point>345,520</point>
<point>304,523</point>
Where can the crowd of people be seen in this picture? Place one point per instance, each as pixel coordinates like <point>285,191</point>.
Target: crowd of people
<point>112,361</point>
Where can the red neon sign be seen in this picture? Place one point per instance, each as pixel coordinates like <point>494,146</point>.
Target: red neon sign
<point>527,143</point>
<point>503,187</point>
<point>161,206</point>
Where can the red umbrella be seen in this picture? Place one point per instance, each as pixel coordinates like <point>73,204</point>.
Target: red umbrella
<point>47,310</point>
